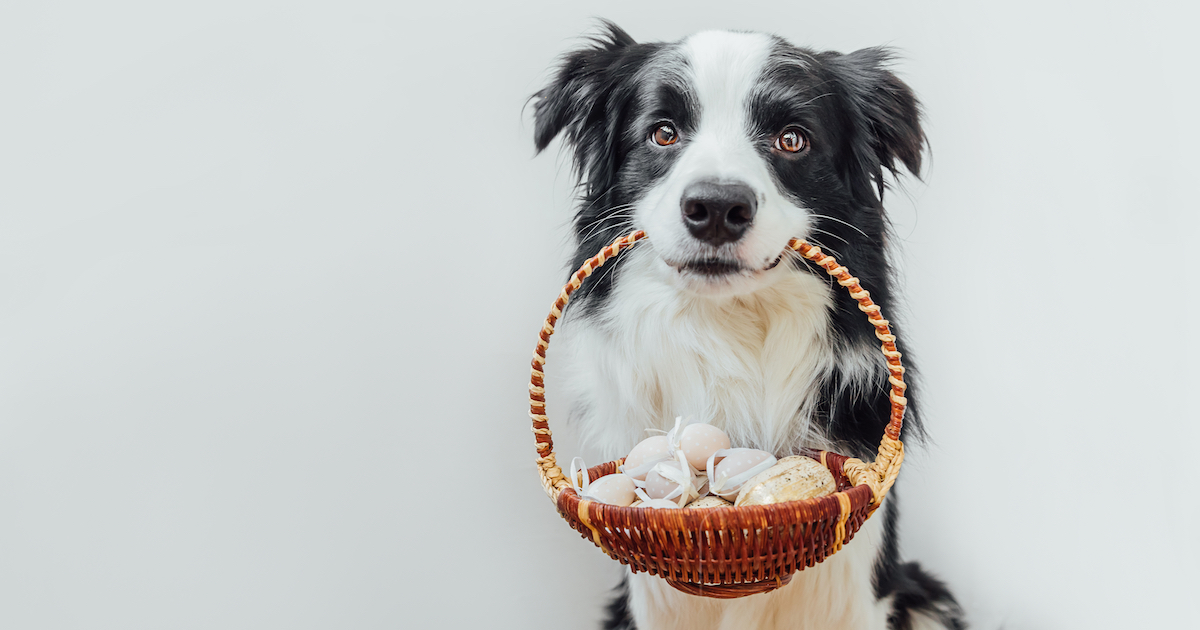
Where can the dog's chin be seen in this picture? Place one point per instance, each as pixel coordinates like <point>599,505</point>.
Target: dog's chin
<point>719,277</point>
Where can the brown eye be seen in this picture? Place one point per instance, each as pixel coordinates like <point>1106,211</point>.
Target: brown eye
<point>664,135</point>
<point>791,140</point>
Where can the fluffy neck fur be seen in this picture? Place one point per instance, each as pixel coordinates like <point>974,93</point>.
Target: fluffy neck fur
<point>750,364</point>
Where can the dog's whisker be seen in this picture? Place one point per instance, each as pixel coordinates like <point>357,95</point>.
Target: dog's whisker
<point>824,247</point>
<point>608,225</point>
<point>604,222</point>
<point>847,224</point>
<point>609,213</point>
<point>840,238</point>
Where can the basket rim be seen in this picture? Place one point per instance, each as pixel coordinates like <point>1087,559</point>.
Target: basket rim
<point>834,467</point>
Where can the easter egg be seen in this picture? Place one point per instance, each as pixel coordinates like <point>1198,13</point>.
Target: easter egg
<point>699,441</point>
<point>675,480</point>
<point>729,469</point>
<point>658,484</point>
<point>790,479</point>
<point>615,489</point>
<point>642,458</point>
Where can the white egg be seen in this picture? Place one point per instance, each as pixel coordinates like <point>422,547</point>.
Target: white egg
<point>675,480</point>
<point>729,469</point>
<point>657,486</point>
<point>614,489</point>
<point>699,441</point>
<point>648,452</point>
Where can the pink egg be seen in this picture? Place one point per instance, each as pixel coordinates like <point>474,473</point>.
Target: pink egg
<point>730,468</point>
<point>674,480</point>
<point>699,441</point>
<point>648,452</point>
<point>658,486</point>
<point>615,489</point>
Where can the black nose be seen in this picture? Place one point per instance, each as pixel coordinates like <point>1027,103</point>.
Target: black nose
<point>718,213</point>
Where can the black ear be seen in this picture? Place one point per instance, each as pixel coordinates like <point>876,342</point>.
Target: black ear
<point>885,116</point>
<point>582,102</point>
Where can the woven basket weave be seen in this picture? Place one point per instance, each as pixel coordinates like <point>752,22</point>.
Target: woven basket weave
<point>727,552</point>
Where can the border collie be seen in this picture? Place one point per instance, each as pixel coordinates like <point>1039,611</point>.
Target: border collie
<point>722,146</point>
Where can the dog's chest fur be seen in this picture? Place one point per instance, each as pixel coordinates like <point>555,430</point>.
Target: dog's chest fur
<point>750,365</point>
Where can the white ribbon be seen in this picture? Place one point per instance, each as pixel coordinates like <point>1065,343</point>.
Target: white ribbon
<point>675,435</point>
<point>577,467</point>
<point>673,442</point>
<point>658,504</point>
<point>726,485</point>
<point>641,471</point>
<point>685,477</point>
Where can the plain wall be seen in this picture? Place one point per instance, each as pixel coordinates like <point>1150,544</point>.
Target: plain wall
<point>270,274</point>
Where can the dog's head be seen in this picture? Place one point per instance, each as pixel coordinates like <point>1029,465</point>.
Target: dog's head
<point>725,145</point>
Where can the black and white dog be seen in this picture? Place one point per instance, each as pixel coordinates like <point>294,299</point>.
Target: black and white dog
<point>722,147</point>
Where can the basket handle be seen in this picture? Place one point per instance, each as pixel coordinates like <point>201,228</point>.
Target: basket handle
<point>878,475</point>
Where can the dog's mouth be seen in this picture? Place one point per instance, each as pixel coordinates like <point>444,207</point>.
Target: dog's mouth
<point>722,267</point>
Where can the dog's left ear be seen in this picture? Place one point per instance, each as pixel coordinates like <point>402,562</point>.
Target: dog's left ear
<point>584,102</point>
<point>886,119</point>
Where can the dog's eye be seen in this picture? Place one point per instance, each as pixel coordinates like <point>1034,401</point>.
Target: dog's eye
<point>791,140</point>
<point>664,135</point>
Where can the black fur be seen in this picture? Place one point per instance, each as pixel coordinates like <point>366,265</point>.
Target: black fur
<point>617,615</point>
<point>864,122</point>
<point>913,590</point>
<point>592,102</point>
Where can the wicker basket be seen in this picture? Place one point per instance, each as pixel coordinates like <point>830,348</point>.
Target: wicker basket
<point>732,551</point>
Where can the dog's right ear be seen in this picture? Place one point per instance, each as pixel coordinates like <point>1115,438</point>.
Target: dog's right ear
<point>580,102</point>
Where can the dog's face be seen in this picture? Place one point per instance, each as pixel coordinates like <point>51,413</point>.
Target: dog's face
<point>725,145</point>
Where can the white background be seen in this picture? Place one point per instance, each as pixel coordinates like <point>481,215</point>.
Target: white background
<point>270,275</point>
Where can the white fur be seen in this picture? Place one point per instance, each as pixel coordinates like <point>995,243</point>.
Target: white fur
<point>748,364</point>
<point>747,357</point>
<point>721,68</point>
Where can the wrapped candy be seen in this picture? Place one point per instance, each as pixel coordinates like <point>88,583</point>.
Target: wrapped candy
<point>616,489</point>
<point>645,455</point>
<point>790,479</point>
<point>675,480</point>
<point>728,469</point>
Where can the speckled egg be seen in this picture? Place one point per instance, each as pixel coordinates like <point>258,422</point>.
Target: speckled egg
<point>657,486</point>
<point>792,478</point>
<point>708,502</point>
<point>615,489</point>
<point>648,452</point>
<point>699,441</point>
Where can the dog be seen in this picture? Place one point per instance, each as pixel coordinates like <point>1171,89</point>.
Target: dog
<point>722,147</point>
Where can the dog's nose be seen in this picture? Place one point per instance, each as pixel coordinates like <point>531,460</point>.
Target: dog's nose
<point>718,213</point>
